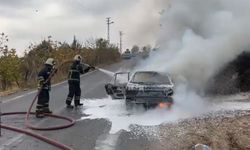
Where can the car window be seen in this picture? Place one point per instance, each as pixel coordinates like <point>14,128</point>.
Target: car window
<point>150,77</point>
<point>121,78</point>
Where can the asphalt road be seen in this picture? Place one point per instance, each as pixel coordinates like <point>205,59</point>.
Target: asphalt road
<point>92,134</point>
<point>87,134</point>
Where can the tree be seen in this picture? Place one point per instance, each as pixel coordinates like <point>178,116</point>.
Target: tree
<point>101,44</point>
<point>146,48</point>
<point>34,59</point>
<point>75,44</point>
<point>9,62</point>
<point>146,51</point>
<point>106,52</point>
<point>23,71</point>
<point>135,49</point>
<point>3,44</point>
<point>9,70</point>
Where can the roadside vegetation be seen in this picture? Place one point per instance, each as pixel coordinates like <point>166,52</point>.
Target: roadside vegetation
<point>233,78</point>
<point>21,72</point>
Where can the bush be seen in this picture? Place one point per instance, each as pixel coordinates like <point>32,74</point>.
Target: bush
<point>23,71</point>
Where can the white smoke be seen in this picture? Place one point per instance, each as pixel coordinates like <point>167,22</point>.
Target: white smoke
<point>141,22</point>
<point>198,37</point>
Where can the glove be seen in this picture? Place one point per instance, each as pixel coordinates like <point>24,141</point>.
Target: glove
<point>55,70</point>
<point>40,86</point>
<point>40,83</point>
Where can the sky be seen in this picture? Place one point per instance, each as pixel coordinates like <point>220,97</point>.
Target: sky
<point>30,21</point>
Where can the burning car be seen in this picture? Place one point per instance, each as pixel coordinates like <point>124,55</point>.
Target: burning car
<point>149,88</point>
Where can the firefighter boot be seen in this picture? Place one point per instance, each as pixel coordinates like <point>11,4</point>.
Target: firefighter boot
<point>77,101</point>
<point>47,111</point>
<point>68,103</point>
<point>39,114</point>
<point>70,106</point>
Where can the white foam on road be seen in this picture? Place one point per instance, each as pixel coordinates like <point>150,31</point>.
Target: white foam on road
<point>186,105</point>
<point>108,143</point>
<point>115,111</point>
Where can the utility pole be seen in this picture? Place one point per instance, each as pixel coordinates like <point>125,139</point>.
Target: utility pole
<point>109,22</point>
<point>121,34</point>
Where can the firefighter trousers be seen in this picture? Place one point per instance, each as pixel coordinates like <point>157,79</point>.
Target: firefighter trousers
<point>43,100</point>
<point>74,92</point>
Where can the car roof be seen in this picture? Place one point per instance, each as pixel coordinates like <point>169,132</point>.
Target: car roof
<point>163,73</point>
<point>146,72</point>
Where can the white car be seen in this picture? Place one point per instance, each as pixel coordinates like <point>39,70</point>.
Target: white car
<point>149,88</point>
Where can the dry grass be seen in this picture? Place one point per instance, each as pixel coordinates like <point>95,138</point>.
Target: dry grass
<point>10,91</point>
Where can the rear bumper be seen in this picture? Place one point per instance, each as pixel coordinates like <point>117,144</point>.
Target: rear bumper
<point>150,100</point>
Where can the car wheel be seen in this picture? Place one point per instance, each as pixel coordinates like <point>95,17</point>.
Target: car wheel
<point>129,104</point>
<point>145,106</point>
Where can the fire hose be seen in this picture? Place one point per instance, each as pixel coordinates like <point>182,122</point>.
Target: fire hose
<point>28,125</point>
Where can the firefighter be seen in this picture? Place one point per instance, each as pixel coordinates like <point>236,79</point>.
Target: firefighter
<point>76,69</point>
<point>44,86</point>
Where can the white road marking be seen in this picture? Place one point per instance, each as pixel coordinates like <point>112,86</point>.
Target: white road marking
<point>15,98</point>
<point>11,141</point>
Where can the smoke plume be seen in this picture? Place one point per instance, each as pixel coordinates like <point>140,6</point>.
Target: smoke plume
<point>198,37</point>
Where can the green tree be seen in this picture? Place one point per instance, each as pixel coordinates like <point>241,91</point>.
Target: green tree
<point>135,49</point>
<point>9,70</point>
<point>23,71</point>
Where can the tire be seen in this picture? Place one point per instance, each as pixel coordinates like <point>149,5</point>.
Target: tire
<point>129,104</point>
<point>145,106</point>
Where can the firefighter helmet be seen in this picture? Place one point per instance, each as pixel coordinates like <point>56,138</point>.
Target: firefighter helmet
<point>78,58</point>
<point>50,61</point>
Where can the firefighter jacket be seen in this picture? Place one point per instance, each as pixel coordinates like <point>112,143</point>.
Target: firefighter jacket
<point>76,70</point>
<point>43,78</point>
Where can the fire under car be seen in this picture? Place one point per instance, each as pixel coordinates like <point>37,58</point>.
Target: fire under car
<point>146,88</point>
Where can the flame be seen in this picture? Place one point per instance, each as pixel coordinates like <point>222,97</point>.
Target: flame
<point>165,105</point>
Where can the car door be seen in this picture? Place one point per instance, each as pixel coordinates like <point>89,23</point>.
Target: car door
<point>116,87</point>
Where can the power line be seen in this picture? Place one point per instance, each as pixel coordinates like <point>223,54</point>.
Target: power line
<point>109,22</point>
